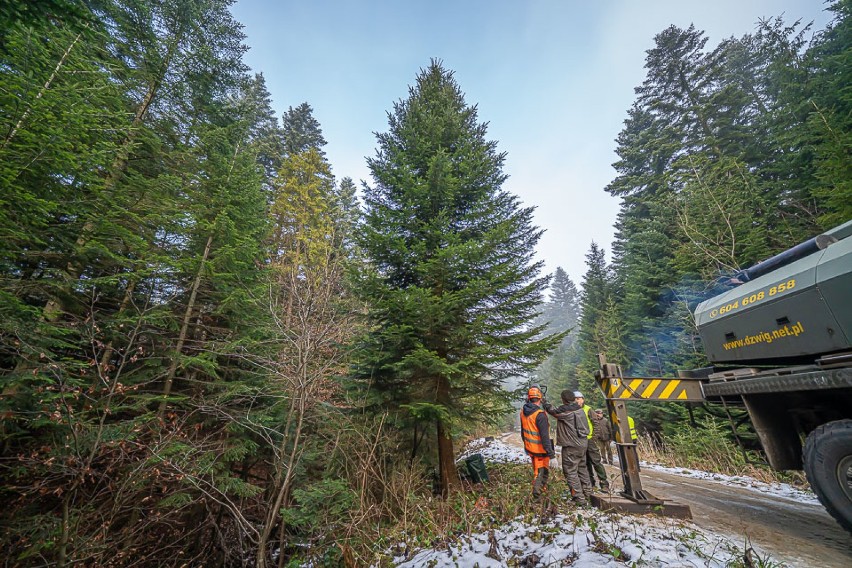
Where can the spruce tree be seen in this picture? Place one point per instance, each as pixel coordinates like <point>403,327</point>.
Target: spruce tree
<point>267,135</point>
<point>301,130</point>
<point>450,282</point>
<point>830,117</point>
<point>563,309</point>
<point>561,314</point>
<point>599,323</point>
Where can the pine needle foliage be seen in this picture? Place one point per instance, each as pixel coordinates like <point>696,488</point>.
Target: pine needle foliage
<point>729,155</point>
<point>450,281</point>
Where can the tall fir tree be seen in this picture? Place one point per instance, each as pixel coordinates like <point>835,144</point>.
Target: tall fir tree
<point>450,283</point>
<point>830,118</point>
<point>267,135</point>
<point>348,211</point>
<point>301,130</point>
<point>598,325</point>
<point>561,314</point>
<point>563,308</point>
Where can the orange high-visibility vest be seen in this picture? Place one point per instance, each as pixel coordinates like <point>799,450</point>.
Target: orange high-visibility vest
<point>530,434</point>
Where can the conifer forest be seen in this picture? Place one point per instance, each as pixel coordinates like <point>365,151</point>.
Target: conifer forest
<point>214,352</point>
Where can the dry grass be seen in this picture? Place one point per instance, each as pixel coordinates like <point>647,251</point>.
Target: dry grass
<point>412,518</point>
<point>707,449</point>
<point>720,462</point>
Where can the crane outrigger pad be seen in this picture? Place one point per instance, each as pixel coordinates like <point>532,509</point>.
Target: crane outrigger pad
<point>661,508</point>
<point>617,389</point>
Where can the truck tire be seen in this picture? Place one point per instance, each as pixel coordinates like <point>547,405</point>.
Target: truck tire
<point>828,466</point>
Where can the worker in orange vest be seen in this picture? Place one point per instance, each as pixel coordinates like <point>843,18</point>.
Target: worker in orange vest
<point>535,432</point>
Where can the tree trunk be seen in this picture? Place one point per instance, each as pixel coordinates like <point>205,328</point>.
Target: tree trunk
<point>282,488</point>
<point>109,350</point>
<point>449,474</point>
<point>62,555</point>
<point>446,456</point>
<point>184,328</point>
<point>53,309</point>
<point>42,91</point>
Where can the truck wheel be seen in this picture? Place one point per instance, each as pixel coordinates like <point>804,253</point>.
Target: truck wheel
<point>828,465</point>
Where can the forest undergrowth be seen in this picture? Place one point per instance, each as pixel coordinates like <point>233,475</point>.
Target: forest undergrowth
<point>412,516</point>
<point>431,522</point>
<point>709,449</point>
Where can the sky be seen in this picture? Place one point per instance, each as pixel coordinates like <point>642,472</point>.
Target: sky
<point>552,78</point>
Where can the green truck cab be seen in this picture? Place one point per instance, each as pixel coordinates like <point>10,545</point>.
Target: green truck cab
<point>781,345</point>
<point>793,313</point>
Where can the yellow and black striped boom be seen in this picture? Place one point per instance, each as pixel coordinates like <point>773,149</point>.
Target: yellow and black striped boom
<point>652,388</point>
<point>617,390</point>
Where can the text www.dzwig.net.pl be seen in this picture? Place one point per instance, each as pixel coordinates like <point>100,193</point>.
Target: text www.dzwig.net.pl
<point>766,336</point>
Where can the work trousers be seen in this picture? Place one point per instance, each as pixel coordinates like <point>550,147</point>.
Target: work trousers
<point>605,450</point>
<point>576,475</point>
<point>540,474</point>
<point>593,463</point>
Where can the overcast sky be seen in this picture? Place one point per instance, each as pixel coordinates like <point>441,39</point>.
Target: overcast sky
<point>553,78</point>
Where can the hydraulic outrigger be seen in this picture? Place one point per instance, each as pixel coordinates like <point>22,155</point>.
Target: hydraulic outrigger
<point>617,389</point>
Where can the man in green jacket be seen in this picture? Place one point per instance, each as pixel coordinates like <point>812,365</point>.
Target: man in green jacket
<point>572,434</point>
<point>593,455</point>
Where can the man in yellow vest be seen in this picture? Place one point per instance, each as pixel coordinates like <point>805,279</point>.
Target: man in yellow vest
<point>593,456</point>
<point>631,424</point>
<point>535,432</point>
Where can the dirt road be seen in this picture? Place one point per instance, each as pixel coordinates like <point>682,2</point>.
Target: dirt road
<point>798,534</point>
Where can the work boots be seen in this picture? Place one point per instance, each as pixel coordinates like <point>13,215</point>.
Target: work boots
<point>540,481</point>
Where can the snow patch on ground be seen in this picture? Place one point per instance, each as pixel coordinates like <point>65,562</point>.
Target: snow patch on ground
<point>494,451</point>
<point>587,538</point>
<point>782,490</point>
<point>584,538</point>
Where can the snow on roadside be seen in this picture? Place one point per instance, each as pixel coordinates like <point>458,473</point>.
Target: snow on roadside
<point>584,538</point>
<point>588,538</point>
<point>782,490</point>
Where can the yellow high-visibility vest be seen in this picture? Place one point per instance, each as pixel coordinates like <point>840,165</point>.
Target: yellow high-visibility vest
<point>586,410</point>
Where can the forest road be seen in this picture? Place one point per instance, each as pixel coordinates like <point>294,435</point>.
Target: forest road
<point>795,533</point>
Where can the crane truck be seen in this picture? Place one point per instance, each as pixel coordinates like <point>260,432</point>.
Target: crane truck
<point>780,342</point>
